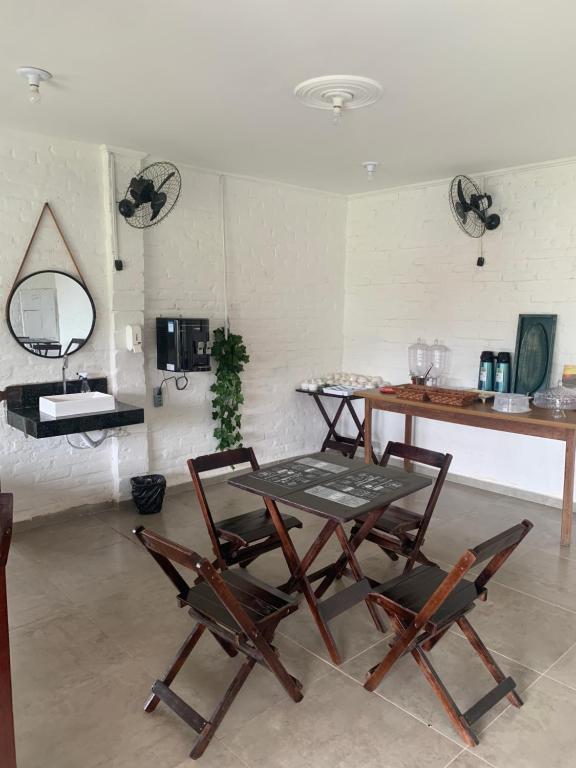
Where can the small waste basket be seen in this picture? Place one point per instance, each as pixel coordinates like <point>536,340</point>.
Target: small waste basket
<point>148,493</point>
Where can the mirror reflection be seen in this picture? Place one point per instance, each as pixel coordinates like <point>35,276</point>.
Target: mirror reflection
<point>51,314</point>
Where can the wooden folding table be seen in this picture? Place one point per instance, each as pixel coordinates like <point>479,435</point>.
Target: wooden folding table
<point>538,422</point>
<point>334,440</point>
<point>339,490</point>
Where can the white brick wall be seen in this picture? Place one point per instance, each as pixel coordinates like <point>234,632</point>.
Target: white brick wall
<point>286,297</point>
<point>411,272</point>
<point>47,475</point>
<point>286,260</point>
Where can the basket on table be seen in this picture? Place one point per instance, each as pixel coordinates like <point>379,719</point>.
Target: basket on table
<point>439,395</point>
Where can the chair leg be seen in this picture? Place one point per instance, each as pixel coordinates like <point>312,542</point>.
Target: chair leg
<point>185,650</point>
<point>446,699</point>
<point>489,662</point>
<point>218,715</point>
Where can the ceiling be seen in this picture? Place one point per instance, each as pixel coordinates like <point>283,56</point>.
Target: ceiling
<point>468,86</point>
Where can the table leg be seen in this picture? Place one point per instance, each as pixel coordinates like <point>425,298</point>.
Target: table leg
<point>408,425</point>
<point>331,424</point>
<point>358,575</point>
<point>361,433</point>
<point>339,566</point>
<point>568,495</point>
<point>298,574</point>
<point>368,431</point>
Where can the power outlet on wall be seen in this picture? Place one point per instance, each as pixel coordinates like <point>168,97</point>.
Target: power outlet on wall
<point>157,397</point>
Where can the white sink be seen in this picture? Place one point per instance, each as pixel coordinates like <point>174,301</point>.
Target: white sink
<point>75,404</point>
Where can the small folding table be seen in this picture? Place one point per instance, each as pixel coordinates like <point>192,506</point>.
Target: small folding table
<point>339,490</point>
<point>337,442</point>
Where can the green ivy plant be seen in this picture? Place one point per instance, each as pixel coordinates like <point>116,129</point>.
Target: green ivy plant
<point>230,354</point>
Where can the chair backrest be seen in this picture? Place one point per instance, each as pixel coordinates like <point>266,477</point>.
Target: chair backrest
<point>167,553</point>
<point>440,461</point>
<point>498,549</point>
<point>210,462</point>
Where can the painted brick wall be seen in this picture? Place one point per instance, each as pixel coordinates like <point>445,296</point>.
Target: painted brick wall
<point>286,265</point>
<point>47,475</point>
<point>411,272</point>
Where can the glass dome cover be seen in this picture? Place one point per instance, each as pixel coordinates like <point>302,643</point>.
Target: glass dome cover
<point>557,398</point>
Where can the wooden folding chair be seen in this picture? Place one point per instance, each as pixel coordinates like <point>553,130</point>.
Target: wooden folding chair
<point>7,743</point>
<point>241,613</point>
<point>240,539</point>
<point>399,531</point>
<point>426,602</point>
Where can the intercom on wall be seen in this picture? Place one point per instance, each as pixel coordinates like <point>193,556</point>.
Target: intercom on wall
<point>134,338</point>
<point>182,344</point>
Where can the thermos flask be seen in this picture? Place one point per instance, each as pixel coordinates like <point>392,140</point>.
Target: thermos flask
<point>486,375</point>
<point>502,375</point>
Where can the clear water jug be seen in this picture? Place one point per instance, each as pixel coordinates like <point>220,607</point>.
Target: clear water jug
<point>419,358</point>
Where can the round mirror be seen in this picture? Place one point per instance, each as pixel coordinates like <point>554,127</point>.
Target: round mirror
<point>51,314</point>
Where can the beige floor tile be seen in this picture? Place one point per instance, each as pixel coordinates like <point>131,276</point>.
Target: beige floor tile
<point>459,667</point>
<point>541,574</point>
<point>90,608</point>
<point>98,722</point>
<point>564,670</point>
<point>468,760</point>
<point>70,538</point>
<point>539,735</point>
<point>216,756</point>
<point>353,631</point>
<point>59,652</point>
<point>208,672</point>
<point>339,724</point>
<point>524,628</point>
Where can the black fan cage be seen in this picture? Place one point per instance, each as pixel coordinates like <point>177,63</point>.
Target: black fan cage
<point>468,221</point>
<point>164,176</point>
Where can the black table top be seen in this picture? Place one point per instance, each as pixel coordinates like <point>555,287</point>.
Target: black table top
<point>332,486</point>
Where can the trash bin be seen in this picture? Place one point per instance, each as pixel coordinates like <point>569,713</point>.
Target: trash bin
<point>148,493</point>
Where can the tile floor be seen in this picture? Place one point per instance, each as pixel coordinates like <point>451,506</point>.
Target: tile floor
<point>93,622</point>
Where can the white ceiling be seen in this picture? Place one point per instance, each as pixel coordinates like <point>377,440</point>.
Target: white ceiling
<point>468,86</point>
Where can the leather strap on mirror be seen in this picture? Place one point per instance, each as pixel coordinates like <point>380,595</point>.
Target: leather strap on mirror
<point>46,207</point>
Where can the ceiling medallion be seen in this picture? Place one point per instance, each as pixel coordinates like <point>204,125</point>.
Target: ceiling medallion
<point>338,93</point>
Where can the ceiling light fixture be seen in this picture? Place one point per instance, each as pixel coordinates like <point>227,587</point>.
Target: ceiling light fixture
<point>371,166</point>
<point>34,76</point>
<point>338,93</point>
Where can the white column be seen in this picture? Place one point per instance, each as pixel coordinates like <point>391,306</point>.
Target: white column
<point>126,378</point>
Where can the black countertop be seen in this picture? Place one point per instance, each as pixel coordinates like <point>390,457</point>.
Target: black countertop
<point>23,412</point>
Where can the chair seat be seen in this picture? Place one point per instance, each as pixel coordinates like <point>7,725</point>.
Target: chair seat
<point>413,589</point>
<point>259,600</point>
<point>252,526</point>
<point>396,520</point>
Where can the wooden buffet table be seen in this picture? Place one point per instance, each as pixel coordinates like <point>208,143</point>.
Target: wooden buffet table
<point>539,422</point>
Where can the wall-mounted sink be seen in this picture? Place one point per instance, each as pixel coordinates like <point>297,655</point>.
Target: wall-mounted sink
<point>75,404</point>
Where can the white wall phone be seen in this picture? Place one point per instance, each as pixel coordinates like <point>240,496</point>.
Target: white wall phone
<point>134,338</point>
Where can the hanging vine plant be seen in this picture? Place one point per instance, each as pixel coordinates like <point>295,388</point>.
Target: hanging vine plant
<point>230,354</point>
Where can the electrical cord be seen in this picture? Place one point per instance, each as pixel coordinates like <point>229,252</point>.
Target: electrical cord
<point>90,443</point>
<point>177,381</point>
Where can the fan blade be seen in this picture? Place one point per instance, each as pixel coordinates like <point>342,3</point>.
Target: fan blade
<point>461,213</point>
<point>166,180</point>
<point>157,203</point>
<point>463,201</point>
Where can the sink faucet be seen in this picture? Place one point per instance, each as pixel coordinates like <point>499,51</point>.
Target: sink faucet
<point>64,366</point>
<point>84,386</point>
